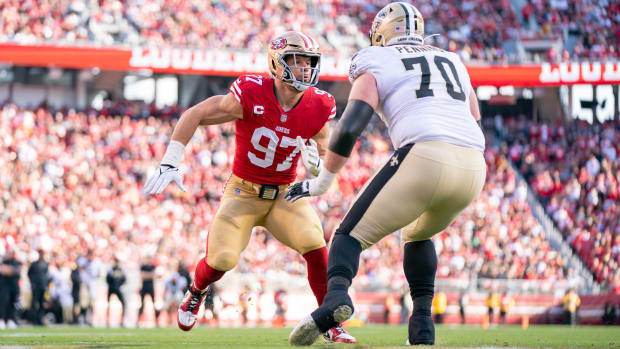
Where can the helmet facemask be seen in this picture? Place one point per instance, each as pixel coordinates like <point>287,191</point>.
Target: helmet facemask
<point>314,68</point>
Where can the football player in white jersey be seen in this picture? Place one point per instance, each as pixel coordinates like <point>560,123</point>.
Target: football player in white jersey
<point>425,97</point>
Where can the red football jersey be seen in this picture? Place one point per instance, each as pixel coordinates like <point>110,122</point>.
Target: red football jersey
<point>266,147</point>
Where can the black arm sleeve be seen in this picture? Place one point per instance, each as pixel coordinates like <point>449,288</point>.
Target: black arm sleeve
<point>354,119</point>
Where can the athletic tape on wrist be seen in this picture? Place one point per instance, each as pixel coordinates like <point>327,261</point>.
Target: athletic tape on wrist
<point>174,154</point>
<point>325,179</point>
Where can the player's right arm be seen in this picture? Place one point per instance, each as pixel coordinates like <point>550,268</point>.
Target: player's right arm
<point>212,111</point>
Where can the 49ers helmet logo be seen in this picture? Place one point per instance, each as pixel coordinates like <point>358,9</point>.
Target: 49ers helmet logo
<point>278,44</point>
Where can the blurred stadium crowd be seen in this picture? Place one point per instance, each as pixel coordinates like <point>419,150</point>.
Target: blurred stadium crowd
<point>475,28</point>
<point>70,189</point>
<point>76,187</point>
<point>575,170</point>
<point>73,192</point>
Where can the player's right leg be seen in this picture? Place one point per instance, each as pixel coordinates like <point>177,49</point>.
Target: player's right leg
<point>240,210</point>
<point>122,300</point>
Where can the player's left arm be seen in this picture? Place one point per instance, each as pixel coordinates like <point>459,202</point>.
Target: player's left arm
<point>321,139</point>
<point>363,100</point>
<point>313,150</point>
<point>473,107</point>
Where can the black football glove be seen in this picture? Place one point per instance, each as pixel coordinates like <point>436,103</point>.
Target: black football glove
<point>298,191</point>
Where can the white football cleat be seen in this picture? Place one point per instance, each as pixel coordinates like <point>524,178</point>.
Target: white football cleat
<point>188,310</point>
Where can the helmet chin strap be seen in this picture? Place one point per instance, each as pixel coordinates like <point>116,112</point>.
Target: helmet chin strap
<point>299,86</point>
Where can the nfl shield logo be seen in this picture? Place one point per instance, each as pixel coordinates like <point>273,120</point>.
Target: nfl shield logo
<point>283,118</point>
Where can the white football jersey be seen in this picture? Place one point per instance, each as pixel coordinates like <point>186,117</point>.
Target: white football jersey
<point>423,94</point>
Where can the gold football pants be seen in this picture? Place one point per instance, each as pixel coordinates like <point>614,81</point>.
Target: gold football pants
<point>421,190</point>
<point>296,225</point>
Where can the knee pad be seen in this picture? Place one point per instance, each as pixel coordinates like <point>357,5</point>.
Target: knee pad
<point>222,260</point>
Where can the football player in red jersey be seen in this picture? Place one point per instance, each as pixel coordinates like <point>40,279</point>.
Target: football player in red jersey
<point>278,119</point>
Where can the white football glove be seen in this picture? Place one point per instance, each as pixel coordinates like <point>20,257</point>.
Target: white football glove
<point>160,179</point>
<point>310,156</point>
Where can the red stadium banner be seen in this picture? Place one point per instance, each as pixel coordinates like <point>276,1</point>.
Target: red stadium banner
<point>233,63</point>
<point>590,73</point>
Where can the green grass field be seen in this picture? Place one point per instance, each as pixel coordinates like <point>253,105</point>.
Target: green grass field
<point>372,336</point>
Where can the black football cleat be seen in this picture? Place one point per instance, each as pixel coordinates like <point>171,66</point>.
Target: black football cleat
<point>421,330</point>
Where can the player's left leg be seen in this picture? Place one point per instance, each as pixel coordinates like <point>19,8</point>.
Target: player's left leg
<point>420,265</point>
<point>298,226</point>
<point>121,299</point>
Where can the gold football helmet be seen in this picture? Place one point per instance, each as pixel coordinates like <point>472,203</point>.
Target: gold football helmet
<point>397,23</point>
<point>294,44</point>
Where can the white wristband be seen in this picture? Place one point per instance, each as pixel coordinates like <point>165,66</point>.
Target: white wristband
<point>174,154</point>
<point>324,181</point>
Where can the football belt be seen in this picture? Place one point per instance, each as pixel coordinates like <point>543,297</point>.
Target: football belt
<point>268,192</point>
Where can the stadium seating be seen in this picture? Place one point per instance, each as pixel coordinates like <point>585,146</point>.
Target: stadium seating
<point>475,28</point>
<point>575,171</point>
<point>71,179</point>
<point>76,186</point>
